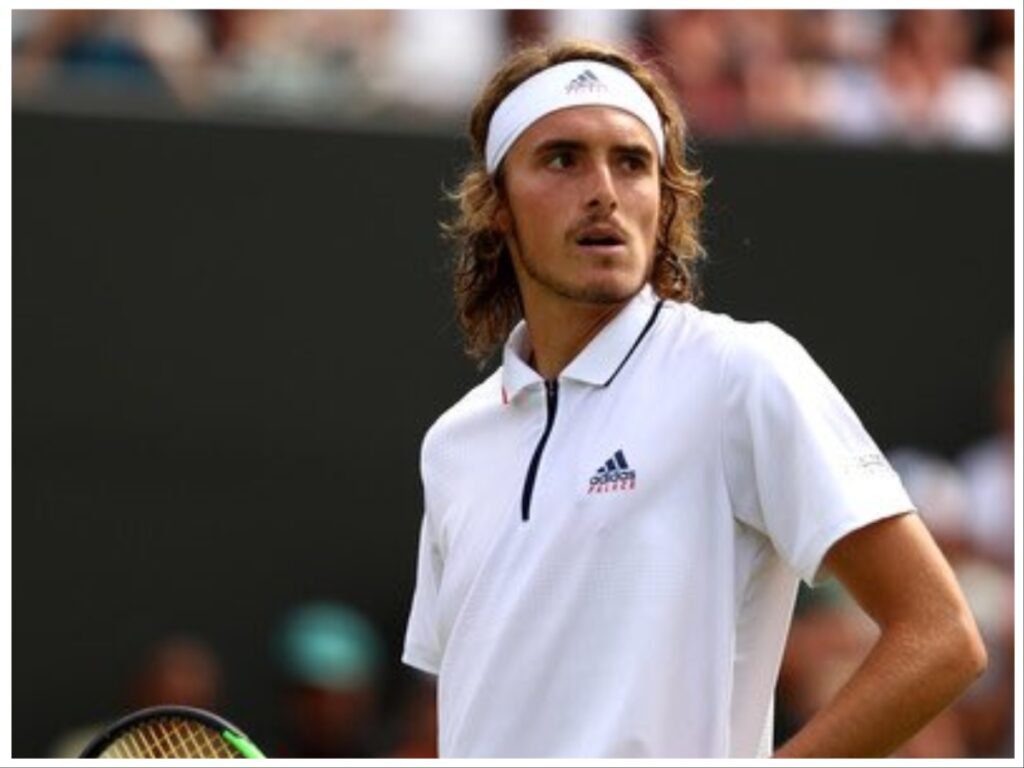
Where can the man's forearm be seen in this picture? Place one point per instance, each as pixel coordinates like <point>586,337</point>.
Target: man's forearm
<point>911,674</point>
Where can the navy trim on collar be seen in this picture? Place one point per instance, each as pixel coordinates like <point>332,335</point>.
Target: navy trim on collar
<point>647,327</point>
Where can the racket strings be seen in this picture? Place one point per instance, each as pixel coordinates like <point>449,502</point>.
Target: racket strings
<point>169,738</point>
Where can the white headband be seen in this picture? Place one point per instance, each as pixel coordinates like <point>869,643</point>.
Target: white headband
<point>571,84</point>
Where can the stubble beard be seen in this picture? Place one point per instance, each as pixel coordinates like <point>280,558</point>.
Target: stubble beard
<point>585,294</point>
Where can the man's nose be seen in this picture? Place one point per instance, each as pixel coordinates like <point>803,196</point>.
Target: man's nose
<point>602,195</point>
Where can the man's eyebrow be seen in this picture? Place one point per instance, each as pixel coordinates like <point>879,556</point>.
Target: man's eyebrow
<point>557,145</point>
<point>553,145</point>
<point>640,150</point>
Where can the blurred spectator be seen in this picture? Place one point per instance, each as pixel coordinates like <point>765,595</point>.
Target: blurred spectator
<point>617,26</point>
<point>142,51</point>
<point>932,89</point>
<point>995,49</point>
<point>179,670</point>
<point>416,727</point>
<point>300,60</point>
<point>329,658</point>
<point>850,90</point>
<point>780,88</point>
<point>538,25</point>
<point>692,50</point>
<point>989,465</point>
<point>938,490</point>
<point>433,62</point>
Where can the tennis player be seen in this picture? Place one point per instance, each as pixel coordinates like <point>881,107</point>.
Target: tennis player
<point>618,518</point>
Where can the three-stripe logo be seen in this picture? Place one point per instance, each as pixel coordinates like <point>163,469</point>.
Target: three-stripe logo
<point>614,475</point>
<point>586,80</point>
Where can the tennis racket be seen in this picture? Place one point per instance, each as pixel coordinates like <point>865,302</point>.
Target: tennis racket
<point>177,732</point>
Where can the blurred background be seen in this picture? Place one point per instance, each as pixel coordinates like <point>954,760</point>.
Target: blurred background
<point>233,324</point>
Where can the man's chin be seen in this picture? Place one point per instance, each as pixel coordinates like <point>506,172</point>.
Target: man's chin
<point>608,291</point>
<point>604,297</point>
<point>599,287</point>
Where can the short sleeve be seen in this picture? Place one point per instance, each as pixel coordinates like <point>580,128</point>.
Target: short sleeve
<point>422,647</point>
<point>799,465</point>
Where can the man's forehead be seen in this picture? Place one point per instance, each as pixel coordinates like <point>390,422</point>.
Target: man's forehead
<point>590,124</point>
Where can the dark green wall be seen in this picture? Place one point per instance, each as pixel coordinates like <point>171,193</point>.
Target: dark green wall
<point>229,339</point>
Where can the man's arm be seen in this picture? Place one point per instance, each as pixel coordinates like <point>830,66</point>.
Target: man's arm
<point>928,652</point>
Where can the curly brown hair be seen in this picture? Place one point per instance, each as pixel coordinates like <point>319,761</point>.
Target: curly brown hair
<point>487,297</point>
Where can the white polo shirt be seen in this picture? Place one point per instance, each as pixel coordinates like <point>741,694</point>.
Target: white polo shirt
<point>608,563</point>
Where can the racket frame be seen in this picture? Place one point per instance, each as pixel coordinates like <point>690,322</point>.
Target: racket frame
<point>227,730</point>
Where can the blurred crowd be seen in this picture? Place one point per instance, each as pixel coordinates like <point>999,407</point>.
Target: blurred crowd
<point>914,76</point>
<point>330,663</point>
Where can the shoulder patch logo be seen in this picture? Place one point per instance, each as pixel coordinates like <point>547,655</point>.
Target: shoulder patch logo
<point>614,475</point>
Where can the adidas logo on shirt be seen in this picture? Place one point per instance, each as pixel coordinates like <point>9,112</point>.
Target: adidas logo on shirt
<point>585,81</point>
<point>614,475</point>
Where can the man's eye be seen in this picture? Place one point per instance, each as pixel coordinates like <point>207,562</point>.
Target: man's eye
<point>634,162</point>
<point>560,160</point>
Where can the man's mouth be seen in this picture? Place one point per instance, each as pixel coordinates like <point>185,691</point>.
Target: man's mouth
<point>600,237</point>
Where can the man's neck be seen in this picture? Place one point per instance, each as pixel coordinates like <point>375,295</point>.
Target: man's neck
<point>559,331</point>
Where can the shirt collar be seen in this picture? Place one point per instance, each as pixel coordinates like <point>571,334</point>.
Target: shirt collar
<point>598,363</point>
<point>516,373</point>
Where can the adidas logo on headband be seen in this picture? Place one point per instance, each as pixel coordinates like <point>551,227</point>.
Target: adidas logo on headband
<point>588,81</point>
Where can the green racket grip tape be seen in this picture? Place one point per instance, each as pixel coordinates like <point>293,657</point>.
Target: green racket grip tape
<point>242,744</point>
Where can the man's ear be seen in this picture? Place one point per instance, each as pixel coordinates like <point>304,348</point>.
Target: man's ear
<point>502,212</point>
<point>505,225</point>
<point>503,218</point>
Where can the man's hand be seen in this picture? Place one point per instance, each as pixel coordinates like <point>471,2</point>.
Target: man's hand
<point>928,652</point>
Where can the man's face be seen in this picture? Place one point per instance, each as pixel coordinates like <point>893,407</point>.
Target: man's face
<point>582,200</point>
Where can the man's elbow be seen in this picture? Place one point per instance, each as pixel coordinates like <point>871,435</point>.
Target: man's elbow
<point>965,651</point>
<point>978,654</point>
